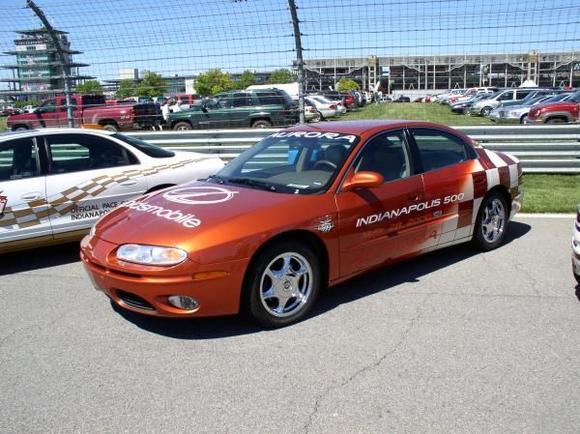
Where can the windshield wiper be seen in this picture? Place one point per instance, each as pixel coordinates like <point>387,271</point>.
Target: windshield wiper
<point>251,183</point>
<point>217,178</point>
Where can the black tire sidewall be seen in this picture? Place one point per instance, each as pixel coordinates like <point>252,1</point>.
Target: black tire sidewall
<point>261,124</point>
<point>252,302</point>
<point>182,124</point>
<point>478,240</point>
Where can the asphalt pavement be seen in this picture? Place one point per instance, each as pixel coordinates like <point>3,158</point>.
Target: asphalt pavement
<point>455,341</point>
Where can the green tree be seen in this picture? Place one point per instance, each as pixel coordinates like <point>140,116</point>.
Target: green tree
<point>346,84</point>
<point>126,89</point>
<point>90,86</point>
<point>280,76</point>
<point>246,79</point>
<point>213,81</point>
<point>151,85</point>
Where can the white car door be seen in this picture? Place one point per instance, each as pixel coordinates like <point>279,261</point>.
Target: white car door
<point>23,216</point>
<point>88,175</point>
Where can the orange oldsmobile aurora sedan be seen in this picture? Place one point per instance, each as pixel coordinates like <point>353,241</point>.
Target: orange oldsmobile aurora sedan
<point>306,207</point>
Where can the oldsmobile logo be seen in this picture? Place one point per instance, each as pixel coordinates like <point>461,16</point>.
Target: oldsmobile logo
<point>200,195</point>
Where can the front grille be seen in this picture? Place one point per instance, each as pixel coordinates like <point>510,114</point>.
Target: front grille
<point>134,300</point>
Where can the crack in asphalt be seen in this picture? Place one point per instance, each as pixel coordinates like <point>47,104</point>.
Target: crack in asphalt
<point>366,368</point>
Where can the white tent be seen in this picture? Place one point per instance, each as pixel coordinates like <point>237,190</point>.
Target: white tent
<point>529,83</point>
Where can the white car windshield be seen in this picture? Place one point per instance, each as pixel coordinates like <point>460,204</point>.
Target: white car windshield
<point>297,162</point>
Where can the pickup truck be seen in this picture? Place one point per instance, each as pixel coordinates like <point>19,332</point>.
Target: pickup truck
<point>561,112</point>
<point>88,109</point>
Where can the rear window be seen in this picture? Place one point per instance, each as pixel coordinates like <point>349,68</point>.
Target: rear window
<point>147,148</point>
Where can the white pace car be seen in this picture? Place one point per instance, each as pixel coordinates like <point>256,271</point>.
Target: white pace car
<point>54,183</point>
<point>576,247</point>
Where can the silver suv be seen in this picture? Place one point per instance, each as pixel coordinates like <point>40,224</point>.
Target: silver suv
<point>485,106</point>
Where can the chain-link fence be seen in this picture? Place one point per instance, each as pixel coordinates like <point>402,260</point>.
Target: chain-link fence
<point>147,49</point>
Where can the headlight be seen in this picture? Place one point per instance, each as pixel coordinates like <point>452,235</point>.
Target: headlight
<point>151,255</point>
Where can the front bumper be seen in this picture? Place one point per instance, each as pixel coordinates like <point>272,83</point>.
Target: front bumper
<point>145,289</point>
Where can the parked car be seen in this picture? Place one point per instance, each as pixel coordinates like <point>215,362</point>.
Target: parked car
<point>10,111</point>
<point>472,92</point>
<point>311,114</point>
<point>261,108</point>
<point>516,113</point>
<point>340,108</point>
<point>402,98</point>
<point>485,106</point>
<point>576,247</point>
<point>325,107</point>
<point>54,183</point>
<point>443,98</point>
<point>465,105</point>
<point>305,208</point>
<point>88,109</point>
<point>535,94</point>
<point>565,111</point>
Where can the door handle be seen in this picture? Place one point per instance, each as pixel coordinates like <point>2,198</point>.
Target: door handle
<point>29,197</point>
<point>128,183</point>
<point>413,198</point>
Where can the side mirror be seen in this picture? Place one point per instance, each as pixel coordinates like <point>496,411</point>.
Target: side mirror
<point>363,180</point>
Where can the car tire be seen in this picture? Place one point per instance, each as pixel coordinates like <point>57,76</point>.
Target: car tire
<point>556,121</point>
<point>577,277</point>
<point>317,117</point>
<point>322,118</point>
<point>182,126</point>
<point>486,111</point>
<point>110,127</point>
<point>20,128</point>
<point>287,272</point>
<point>261,123</point>
<point>491,223</point>
<point>523,119</point>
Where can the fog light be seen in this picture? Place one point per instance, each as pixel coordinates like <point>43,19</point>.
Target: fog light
<point>183,302</point>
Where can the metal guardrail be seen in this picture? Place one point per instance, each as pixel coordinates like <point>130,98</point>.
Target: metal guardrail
<point>541,149</point>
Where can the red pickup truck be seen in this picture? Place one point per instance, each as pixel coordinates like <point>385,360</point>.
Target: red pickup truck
<point>561,112</point>
<point>88,109</point>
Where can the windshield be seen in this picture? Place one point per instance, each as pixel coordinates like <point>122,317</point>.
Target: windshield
<point>297,162</point>
<point>147,148</point>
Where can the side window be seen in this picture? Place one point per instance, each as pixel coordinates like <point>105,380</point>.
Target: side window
<point>75,152</point>
<point>48,106</point>
<point>223,102</point>
<point>521,94</point>
<point>387,155</point>
<point>242,100</point>
<point>506,96</point>
<point>438,149</point>
<point>18,160</point>
<point>269,98</point>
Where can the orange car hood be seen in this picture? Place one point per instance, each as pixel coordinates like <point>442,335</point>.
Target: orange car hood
<point>199,215</point>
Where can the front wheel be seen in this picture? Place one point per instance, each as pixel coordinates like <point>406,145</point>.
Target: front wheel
<point>262,123</point>
<point>182,126</point>
<point>486,111</point>
<point>491,223</point>
<point>110,127</point>
<point>283,284</point>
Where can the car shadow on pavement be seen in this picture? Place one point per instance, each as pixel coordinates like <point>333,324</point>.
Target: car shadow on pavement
<point>578,292</point>
<point>42,257</point>
<point>382,279</point>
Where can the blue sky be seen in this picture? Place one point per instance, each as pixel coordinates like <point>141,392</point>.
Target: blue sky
<point>190,36</point>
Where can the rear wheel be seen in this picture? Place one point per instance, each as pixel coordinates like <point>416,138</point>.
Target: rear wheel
<point>261,123</point>
<point>283,284</point>
<point>20,128</point>
<point>182,126</point>
<point>110,127</point>
<point>486,111</point>
<point>556,121</point>
<point>491,223</point>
